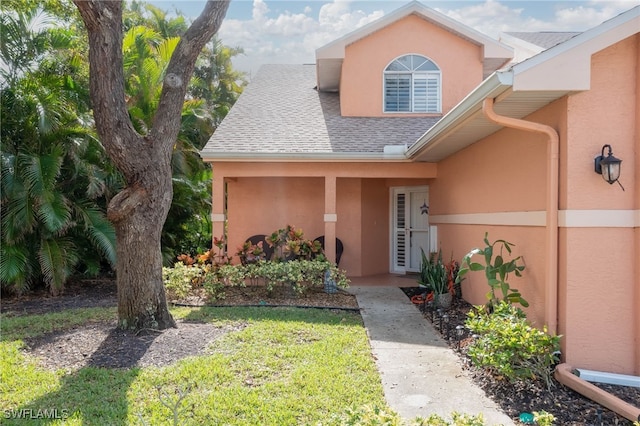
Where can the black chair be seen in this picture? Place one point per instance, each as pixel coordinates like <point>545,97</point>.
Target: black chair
<point>268,250</point>
<point>339,247</point>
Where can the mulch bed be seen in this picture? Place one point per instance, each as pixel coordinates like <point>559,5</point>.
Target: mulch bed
<point>569,407</point>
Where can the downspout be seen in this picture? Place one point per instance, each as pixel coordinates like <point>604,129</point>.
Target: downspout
<point>553,142</point>
<point>563,372</point>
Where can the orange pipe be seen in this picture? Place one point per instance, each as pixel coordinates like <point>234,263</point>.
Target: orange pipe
<point>551,287</point>
<point>564,374</point>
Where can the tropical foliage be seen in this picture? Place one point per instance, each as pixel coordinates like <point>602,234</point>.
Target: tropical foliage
<point>55,181</point>
<point>56,178</point>
<point>149,42</point>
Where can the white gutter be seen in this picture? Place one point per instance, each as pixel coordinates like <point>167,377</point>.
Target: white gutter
<point>494,85</point>
<point>305,157</point>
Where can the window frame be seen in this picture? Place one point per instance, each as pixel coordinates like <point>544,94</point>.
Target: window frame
<point>424,75</point>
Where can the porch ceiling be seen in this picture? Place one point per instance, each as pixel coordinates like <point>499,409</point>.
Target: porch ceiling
<point>472,126</point>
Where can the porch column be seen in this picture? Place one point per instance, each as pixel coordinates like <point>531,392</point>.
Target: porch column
<point>330,218</point>
<point>217,207</point>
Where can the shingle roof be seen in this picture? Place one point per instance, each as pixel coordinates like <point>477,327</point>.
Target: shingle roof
<point>281,112</point>
<point>545,39</point>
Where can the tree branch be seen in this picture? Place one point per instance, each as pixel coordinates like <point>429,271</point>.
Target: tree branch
<point>181,66</point>
<point>103,20</point>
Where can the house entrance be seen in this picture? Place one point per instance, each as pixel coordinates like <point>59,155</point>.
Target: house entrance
<point>410,227</point>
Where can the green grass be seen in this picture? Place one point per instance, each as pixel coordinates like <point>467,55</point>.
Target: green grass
<point>286,367</point>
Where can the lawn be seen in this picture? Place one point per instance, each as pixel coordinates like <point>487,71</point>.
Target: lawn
<point>283,367</point>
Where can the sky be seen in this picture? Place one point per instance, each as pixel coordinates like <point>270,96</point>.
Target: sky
<point>289,32</point>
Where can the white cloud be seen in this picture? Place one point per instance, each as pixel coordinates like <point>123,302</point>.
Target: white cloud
<point>288,37</point>
<point>291,37</point>
<point>492,17</point>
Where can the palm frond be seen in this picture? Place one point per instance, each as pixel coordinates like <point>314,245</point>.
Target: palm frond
<point>57,257</point>
<point>15,269</point>
<point>99,231</point>
<point>40,171</point>
<point>18,216</point>
<point>54,212</point>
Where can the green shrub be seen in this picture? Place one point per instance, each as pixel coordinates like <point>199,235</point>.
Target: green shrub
<point>509,346</point>
<point>542,418</point>
<point>180,280</point>
<point>213,286</point>
<point>368,415</point>
<point>299,275</point>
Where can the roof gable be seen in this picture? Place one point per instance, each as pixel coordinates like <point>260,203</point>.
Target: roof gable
<point>329,57</point>
<point>524,88</point>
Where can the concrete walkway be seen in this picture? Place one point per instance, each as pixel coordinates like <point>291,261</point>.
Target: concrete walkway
<point>420,374</point>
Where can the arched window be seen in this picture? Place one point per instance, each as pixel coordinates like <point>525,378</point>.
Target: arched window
<point>412,84</point>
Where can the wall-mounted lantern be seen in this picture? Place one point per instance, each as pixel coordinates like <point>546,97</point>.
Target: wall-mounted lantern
<point>609,166</point>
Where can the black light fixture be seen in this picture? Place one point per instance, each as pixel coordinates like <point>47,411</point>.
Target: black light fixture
<point>609,166</point>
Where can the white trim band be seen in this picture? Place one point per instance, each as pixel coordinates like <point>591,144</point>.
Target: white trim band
<point>535,218</point>
<point>566,218</point>
<point>330,217</point>
<point>599,218</point>
<point>218,217</point>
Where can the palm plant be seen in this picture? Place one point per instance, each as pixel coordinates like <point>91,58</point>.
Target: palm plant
<point>54,178</point>
<point>148,45</point>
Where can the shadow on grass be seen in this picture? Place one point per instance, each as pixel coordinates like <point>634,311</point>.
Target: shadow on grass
<point>100,391</point>
<point>94,394</point>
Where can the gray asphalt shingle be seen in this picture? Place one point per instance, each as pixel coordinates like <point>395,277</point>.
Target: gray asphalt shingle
<point>280,111</point>
<point>545,39</point>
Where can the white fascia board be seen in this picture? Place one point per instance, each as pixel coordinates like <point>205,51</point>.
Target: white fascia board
<point>569,63</point>
<point>494,85</point>
<point>522,49</point>
<point>303,156</point>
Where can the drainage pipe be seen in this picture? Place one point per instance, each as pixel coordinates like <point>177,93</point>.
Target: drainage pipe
<point>565,374</point>
<point>608,378</point>
<point>553,142</point>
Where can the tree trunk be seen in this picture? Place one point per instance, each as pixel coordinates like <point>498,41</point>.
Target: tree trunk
<point>138,214</point>
<point>140,210</point>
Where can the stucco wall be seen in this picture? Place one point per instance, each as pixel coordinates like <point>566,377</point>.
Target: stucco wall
<point>264,205</point>
<point>349,209</point>
<point>601,259</point>
<point>504,173</point>
<point>361,88</point>
<point>599,285</point>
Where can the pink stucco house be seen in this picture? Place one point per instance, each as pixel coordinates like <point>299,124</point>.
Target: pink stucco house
<point>416,131</point>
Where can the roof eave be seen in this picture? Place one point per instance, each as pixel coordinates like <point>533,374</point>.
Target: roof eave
<point>212,157</point>
<point>494,85</point>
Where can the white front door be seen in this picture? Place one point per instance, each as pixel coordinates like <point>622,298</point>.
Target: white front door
<point>410,227</point>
